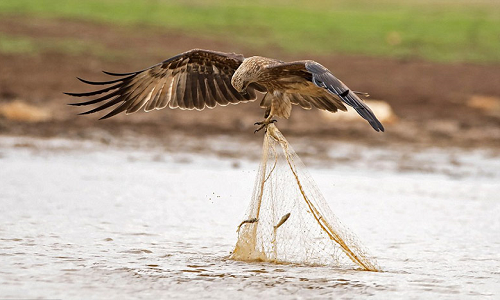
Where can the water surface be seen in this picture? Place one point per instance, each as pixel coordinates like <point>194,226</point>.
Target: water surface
<point>81,220</point>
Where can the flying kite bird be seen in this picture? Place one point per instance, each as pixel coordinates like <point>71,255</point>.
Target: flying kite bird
<point>202,78</point>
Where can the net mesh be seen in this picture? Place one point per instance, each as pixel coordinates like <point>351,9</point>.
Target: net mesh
<point>289,221</point>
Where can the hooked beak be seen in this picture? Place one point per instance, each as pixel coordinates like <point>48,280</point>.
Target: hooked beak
<point>242,90</point>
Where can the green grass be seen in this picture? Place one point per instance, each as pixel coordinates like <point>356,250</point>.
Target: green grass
<point>12,44</point>
<point>445,31</point>
<point>17,45</point>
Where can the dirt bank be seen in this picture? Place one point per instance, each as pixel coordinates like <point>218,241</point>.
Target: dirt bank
<point>431,100</point>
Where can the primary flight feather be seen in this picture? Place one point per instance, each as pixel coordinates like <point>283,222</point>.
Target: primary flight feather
<point>202,78</point>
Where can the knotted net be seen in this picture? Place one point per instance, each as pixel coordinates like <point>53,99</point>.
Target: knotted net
<point>289,221</point>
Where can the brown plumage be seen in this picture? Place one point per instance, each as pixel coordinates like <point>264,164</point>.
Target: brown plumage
<point>201,78</point>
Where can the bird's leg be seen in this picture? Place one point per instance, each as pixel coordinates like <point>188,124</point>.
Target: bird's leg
<point>268,120</point>
<point>264,124</point>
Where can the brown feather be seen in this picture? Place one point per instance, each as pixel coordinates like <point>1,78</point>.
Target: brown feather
<point>202,78</point>
<point>191,80</point>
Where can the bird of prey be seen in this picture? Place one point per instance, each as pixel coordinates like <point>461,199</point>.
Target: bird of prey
<point>202,78</point>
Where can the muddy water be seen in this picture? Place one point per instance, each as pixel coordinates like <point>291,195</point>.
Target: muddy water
<point>81,220</point>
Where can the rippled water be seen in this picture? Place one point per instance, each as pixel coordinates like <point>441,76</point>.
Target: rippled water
<point>80,220</point>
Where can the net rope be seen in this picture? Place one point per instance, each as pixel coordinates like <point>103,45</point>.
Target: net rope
<point>289,221</point>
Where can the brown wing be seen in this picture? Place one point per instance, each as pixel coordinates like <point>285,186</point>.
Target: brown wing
<point>294,78</point>
<point>191,80</point>
<point>312,84</point>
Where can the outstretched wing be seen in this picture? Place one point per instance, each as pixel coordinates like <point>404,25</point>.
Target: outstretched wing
<point>191,80</point>
<point>323,78</point>
<point>310,84</point>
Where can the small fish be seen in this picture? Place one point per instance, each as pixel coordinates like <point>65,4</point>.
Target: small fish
<point>249,221</point>
<point>283,220</point>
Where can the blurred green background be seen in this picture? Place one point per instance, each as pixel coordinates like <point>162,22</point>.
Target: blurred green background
<point>439,30</point>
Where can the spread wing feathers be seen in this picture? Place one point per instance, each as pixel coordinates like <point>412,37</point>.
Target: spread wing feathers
<point>191,80</point>
<point>296,80</point>
<point>327,101</point>
<point>311,84</point>
<point>323,78</point>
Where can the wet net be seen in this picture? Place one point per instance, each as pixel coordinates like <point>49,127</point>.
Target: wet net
<point>289,221</point>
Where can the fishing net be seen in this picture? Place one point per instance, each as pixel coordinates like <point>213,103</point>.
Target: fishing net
<point>289,221</point>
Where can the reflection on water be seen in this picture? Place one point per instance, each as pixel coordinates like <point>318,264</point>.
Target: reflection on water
<point>90,223</point>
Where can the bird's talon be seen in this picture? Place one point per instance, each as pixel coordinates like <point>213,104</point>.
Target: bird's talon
<point>262,125</point>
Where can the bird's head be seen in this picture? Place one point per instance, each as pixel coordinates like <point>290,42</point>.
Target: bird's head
<point>246,73</point>
<point>238,81</point>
